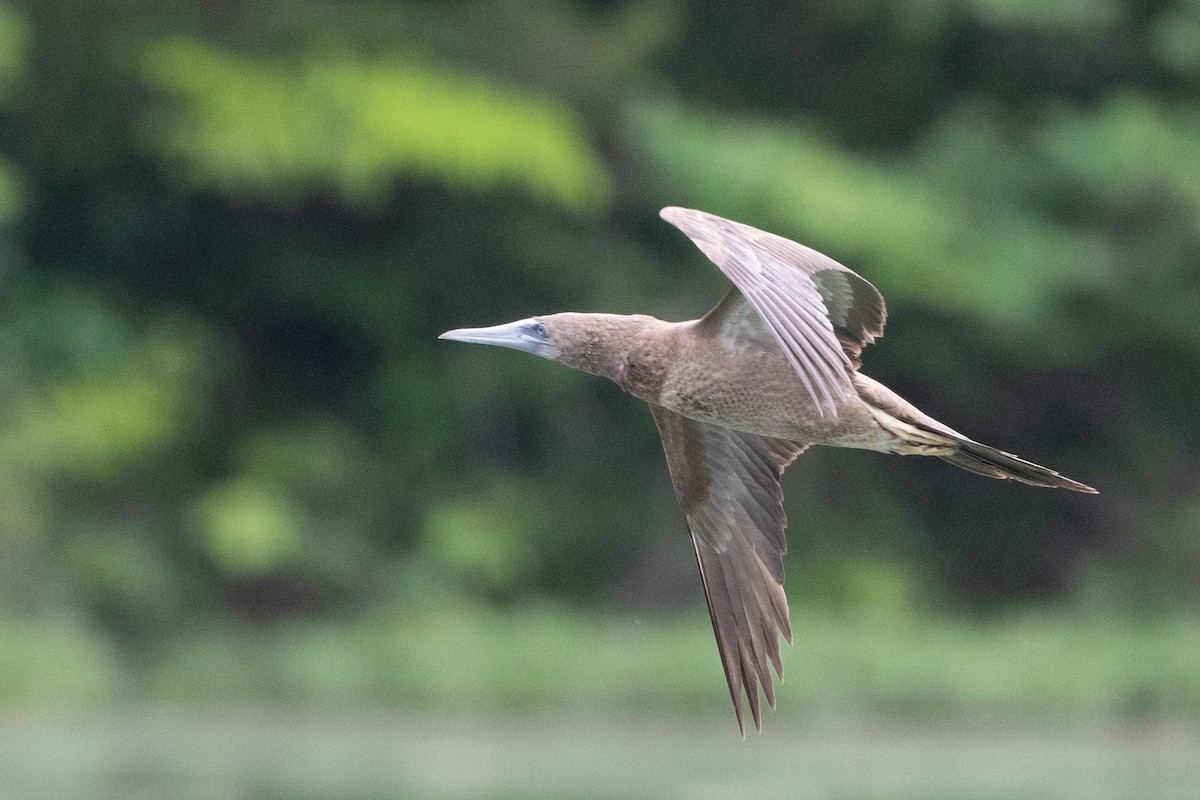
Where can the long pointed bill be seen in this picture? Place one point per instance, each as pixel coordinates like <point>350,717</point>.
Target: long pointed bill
<point>528,335</point>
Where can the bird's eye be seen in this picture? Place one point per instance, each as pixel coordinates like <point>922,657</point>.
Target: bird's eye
<point>539,330</point>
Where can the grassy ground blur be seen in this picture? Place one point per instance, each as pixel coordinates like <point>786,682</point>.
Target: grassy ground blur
<point>468,701</point>
<point>1063,667</point>
<point>266,754</point>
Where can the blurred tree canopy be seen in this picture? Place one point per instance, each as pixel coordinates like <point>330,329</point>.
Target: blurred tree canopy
<point>230,234</point>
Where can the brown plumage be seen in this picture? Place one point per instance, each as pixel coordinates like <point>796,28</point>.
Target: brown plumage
<point>737,395</point>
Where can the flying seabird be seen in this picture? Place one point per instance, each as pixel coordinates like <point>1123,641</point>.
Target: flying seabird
<point>737,395</point>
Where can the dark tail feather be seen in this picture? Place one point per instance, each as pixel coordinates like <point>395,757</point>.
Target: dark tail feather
<point>984,460</point>
<point>928,437</point>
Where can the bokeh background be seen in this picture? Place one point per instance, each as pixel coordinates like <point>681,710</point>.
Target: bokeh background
<point>263,536</point>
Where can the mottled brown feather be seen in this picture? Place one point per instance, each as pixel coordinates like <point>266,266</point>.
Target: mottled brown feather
<point>821,313</point>
<point>727,483</point>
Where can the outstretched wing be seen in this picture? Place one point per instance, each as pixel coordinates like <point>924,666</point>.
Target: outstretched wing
<point>727,483</point>
<point>821,313</point>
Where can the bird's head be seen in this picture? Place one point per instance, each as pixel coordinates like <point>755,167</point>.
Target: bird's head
<point>595,343</point>
<point>531,335</point>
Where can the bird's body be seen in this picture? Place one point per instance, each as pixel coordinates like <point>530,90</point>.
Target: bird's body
<point>737,395</point>
<point>738,381</point>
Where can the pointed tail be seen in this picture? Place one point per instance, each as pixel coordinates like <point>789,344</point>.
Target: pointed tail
<point>984,460</point>
<point>920,438</point>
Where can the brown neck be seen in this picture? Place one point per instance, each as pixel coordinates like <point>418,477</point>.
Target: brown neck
<point>613,346</point>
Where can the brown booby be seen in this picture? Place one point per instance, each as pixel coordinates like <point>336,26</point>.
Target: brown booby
<point>737,395</point>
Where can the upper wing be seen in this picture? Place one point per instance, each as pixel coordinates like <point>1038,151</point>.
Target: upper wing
<point>728,485</point>
<point>821,313</point>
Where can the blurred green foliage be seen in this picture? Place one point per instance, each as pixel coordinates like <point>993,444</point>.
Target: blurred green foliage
<point>248,126</point>
<point>227,247</point>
